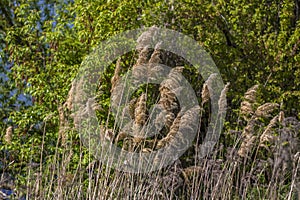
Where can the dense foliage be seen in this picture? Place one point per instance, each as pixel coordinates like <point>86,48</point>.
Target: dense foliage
<point>43,43</point>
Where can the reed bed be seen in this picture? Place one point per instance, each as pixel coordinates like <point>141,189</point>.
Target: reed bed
<point>259,158</point>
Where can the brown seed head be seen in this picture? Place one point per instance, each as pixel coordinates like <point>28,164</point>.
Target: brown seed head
<point>265,109</point>
<point>8,135</point>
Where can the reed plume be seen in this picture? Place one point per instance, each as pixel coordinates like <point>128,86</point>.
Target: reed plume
<point>147,37</point>
<point>222,103</point>
<point>8,135</point>
<point>168,101</point>
<point>63,125</point>
<point>247,105</point>
<point>156,55</point>
<point>247,144</point>
<point>265,109</point>
<point>116,76</point>
<point>204,94</point>
<point>267,135</point>
<point>143,57</point>
<point>247,112</point>
<point>250,95</point>
<point>140,110</point>
<point>207,88</point>
<point>281,117</point>
<point>69,102</point>
<point>181,130</point>
<point>171,134</point>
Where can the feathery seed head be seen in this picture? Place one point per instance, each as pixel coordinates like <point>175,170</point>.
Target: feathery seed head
<point>8,134</point>
<point>222,100</point>
<point>116,76</point>
<point>267,134</point>
<point>265,109</point>
<point>140,110</point>
<point>250,95</point>
<point>246,108</point>
<point>205,94</point>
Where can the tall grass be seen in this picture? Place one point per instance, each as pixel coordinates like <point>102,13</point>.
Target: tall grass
<point>258,158</point>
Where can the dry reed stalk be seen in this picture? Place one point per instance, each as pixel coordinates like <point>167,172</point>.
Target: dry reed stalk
<point>249,134</point>
<point>143,43</point>
<point>65,178</point>
<point>137,107</point>
<point>109,134</point>
<point>129,144</point>
<point>168,99</point>
<point>175,75</point>
<point>249,129</point>
<point>209,82</point>
<point>147,150</point>
<point>169,118</point>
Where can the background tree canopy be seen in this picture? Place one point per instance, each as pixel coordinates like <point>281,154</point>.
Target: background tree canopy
<point>43,43</point>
